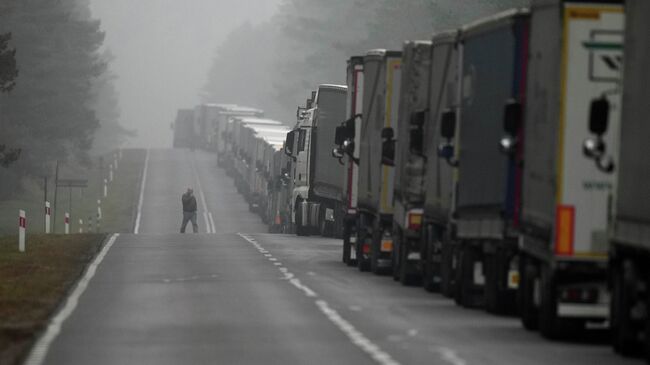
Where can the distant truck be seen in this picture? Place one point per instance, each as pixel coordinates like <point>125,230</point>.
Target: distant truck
<point>567,199</point>
<point>409,165</point>
<point>382,72</point>
<point>629,271</point>
<point>184,132</point>
<point>210,122</point>
<point>316,193</point>
<point>347,143</point>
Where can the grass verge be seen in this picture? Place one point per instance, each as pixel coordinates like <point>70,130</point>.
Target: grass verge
<point>34,284</point>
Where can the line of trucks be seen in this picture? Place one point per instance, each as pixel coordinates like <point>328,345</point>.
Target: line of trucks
<point>502,164</point>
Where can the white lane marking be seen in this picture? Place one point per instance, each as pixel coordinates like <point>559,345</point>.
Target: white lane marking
<point>214,229</point>
<point>207,222</point>
<point>138,217</point>
<point>356,337</point>
<point>40,349</point>
<point>451,356</point>
<point>208,228</point>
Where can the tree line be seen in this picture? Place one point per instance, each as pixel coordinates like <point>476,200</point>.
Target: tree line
<point>57,99</point>
<point>274,65</point>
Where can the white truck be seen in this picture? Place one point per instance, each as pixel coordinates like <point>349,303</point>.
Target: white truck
<point>566,198</point>
<point>316,196</point>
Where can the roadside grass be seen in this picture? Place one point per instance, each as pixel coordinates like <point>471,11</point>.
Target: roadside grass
<point>118,208</point>
<point>33,285</point>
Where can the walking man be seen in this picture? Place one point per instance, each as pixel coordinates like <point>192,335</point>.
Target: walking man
<point>189,211</point>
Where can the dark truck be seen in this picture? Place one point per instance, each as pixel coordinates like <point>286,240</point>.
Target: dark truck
<point>184,133</point>
<point>494,55</point>
<point>629,251</point>
<point>438,225</point>
<point>382,71</point>
<point>409,164</point>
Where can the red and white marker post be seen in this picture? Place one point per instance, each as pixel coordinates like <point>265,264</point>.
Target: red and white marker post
<point>81,226</point>
<point>67,223</point>
<point>48,216</point>
<point>22,227</point>
<point>105,188</point>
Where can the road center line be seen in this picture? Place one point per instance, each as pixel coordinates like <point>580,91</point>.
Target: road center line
<point>206,213</point>
<point>40,349</point>
<point>138,217</point>
<point>356,337</point>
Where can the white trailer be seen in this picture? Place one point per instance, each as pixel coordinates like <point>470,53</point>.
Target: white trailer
<point>567,197</point>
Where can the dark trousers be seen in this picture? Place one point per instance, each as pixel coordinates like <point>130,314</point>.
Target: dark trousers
<point>189,216</point>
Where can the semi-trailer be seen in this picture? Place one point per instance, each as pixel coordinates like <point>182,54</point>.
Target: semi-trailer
<point>382,72</point>
<point>317,201</point>
<point>184,133</point>
<point>409,165</point>
<point>440,175</point>
<point>575,50</point>
<point>347,144</point>
<point>629,252</point>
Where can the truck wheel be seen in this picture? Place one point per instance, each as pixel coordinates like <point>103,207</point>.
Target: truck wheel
<point>446,270</point>
<point>300,229</point>
<point>498,299</point>
<point>405,277</point>
<point>467,295</point>
<point>375,253</point>
<point>347,246</point>
<point>427,266</point>
<point>526,294</point>
<point>550,325</point>
<point>623,331</point>
<point>395,257</point>
<point>548,321</point>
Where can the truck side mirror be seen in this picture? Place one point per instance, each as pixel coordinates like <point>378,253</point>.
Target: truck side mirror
<point>415,140</point>
<point>339,136</point>
<point>448,124</point>
<point>289,142</point>
<point>337,153</point>
<point>512,117</point>
<point>387,133</point>
<point>595,148</point>
<point>599,116</point>
<point>418,118</point>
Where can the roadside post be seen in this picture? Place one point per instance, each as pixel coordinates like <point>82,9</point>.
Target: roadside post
<point>115,158</point>
<point>67,223</point>
<point>110,173</point>
<point>81,226</point>
<point>48,215</point>
<point>22,226</point>
<point>90,224</point>
<point>105,188</point>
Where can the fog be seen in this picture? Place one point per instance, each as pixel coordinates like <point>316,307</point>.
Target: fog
<point>163,50</point>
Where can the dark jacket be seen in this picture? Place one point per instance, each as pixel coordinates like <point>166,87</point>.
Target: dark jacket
<point>189,203</point>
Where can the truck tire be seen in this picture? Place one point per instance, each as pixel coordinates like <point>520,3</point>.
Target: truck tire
<point>447,275</point>
<point>375,254</point>
<point>405,277</point>
<point>623,331</point>
<point>550,325</point>
<point>428,270</point>
<point>528,312</point>
<point>498,299</point>
<point>300,229</point>
<point>347,246</point>
<point>466,292</point>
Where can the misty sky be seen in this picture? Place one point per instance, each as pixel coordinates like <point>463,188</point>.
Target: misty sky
<point>163,50</point>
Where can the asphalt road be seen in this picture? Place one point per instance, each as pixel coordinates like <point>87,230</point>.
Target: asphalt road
<point>241,296</point>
